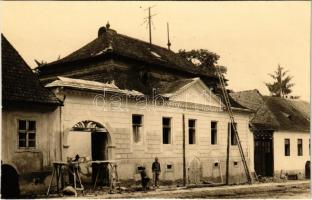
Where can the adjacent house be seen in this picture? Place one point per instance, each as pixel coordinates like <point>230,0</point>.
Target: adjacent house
<point>30,122</point>
<point>124,99</point>
<point>281,130</point>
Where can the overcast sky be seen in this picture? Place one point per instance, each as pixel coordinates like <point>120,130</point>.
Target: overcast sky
<point>252,38</point>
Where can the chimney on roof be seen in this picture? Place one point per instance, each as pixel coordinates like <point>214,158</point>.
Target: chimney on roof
<point>105,30</point>
<point>101,31</point>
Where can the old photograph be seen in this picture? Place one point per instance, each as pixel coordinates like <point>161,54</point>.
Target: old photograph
<point>164,99</point>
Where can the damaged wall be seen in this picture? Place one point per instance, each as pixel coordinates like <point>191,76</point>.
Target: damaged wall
<point>31,160</point>
<point>80,106</point>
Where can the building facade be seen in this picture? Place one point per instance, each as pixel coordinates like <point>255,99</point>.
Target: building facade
<point>281,130</point>
<point>145,73</point>
<point>30,123</point>
<point>134,129</point>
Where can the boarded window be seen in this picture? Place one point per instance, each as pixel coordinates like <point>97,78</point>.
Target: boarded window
<point>26,134</point>
<point>214,136</point>
<point>192,131</point>
<point>299,147</point>
<point>137,126</point>
<point>232,133</point>
<point>287,147</point>
<point>166,122</point>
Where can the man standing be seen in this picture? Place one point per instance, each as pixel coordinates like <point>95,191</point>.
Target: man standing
<point>156,171</point>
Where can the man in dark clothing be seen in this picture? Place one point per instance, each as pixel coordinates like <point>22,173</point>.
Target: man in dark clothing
<point>144,178</point>
<point>156,171</point>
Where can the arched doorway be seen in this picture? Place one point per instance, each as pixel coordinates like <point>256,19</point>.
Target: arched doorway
<point>90,140</point>
<point>9,182</point>
<point>307,170</point>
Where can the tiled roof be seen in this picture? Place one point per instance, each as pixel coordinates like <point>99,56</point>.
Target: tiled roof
<point>19,83</point>
<point>90,85</point>
<point>274,112</point>
<point>109,42</point>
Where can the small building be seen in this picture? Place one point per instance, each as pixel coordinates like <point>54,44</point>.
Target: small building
<point>124,99</point>
<point>30,122</point>
<point>281,130</point>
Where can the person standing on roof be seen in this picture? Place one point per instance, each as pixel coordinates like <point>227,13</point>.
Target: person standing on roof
<point>156,171</point>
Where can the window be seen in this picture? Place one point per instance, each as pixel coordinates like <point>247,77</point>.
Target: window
<point>166,122</point>
<point>169,167</point>
<point>287,147</point>
<point>192,131</point>
<point>232,133</point>
<point>309,147</point>
<point>299,147</point>
<point>137,126</point>
<point>214,137</point>
<point>26,134</point>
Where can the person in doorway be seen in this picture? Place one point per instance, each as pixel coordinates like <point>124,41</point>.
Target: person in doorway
<point>144,179</point>
<point>156,171</point>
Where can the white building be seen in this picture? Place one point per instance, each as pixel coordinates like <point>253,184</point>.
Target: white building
<point>282,134</point>
<point>139,116</point>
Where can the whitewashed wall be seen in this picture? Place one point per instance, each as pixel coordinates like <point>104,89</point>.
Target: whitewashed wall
<point>292,163</point>
<point>47,141</point>
<point>80,106</point>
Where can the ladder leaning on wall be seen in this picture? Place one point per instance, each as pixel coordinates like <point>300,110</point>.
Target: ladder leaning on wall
<point>230,112</point>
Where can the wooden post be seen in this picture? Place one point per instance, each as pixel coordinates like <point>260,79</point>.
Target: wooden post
<point>227,156</point>
<point>184,162</point>
<point>150,25</point>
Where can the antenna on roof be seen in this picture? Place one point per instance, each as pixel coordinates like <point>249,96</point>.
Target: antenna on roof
<point>149,18</point>
<point>169,43</point>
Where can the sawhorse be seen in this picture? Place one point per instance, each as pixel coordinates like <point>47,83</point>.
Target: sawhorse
<point>113,175</point>
<point>58,172</point>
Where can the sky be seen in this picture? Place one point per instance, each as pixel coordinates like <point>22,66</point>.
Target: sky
<point>252,38</point>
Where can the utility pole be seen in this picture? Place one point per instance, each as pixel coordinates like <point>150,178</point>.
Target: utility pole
<point>150,25</point>
<point>169,43</point>
<point>149,22</point>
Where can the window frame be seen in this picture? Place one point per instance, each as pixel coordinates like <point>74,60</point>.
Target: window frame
<point>233,138</point>
<point>299,147</point>
<point>287,153</point>
<point>169,127</point>
<point>27,133</point>
<point>194,133</point>
<point>137,125</point>
<point>214,142</point>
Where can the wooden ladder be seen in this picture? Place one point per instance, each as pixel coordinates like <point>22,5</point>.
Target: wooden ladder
<point>230,112</point>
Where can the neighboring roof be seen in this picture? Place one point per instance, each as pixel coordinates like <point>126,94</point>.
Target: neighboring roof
<point>303,106</point>
<point>90,85</point>
<point>274,112</point>
<point>19,83</point>
<point>109,42</point>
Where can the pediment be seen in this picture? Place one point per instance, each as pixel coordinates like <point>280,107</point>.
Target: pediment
<point>196,92</point>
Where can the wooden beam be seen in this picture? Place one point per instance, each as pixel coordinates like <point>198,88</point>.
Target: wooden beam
<point>183,146</point>
<point>228,156</point>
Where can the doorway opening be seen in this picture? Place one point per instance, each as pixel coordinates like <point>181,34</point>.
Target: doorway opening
<point>263,153</point>
<point>90,140</point>
<point>307,170</point>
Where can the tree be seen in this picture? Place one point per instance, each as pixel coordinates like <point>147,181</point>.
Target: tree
<point>282,85</point>
<point>204,59</point>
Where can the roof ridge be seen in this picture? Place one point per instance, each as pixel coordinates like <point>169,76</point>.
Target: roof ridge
<point>144,42</point>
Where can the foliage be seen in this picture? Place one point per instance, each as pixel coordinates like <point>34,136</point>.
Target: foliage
<point>203,58</point>
<point>281,85</point>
